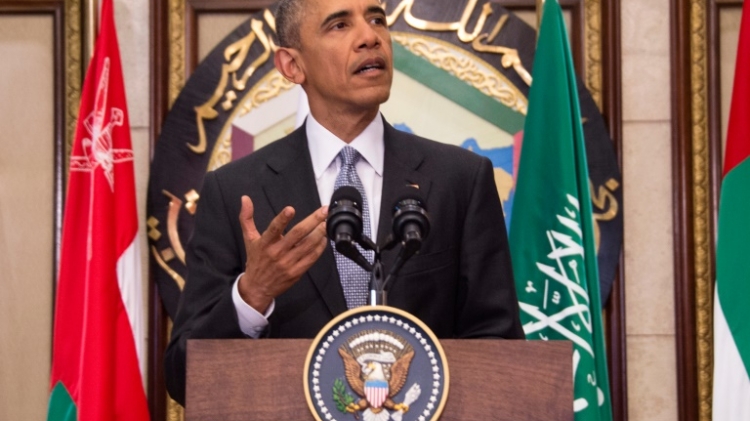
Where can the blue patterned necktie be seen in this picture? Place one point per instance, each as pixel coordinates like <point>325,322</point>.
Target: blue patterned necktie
<point>354,279</point>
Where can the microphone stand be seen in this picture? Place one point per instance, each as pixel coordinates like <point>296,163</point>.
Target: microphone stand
<point>378,281</point>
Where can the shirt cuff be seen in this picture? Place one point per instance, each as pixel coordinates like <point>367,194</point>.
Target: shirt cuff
<point>252,323</point>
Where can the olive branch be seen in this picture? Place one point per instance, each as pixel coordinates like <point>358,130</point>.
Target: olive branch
<point>340,397</point>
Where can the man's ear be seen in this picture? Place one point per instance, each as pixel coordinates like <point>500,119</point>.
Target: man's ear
<point>287,63</point>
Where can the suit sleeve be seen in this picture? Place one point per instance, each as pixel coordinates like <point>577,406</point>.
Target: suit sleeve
<point>214,260</point>
<point>488,306</point>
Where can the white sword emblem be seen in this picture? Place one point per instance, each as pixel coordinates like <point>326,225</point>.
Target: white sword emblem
<point>98,149</point>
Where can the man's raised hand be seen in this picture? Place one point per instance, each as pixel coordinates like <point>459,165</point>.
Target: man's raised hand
<point>276,261</point>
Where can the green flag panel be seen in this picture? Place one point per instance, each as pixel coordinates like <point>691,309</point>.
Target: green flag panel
<point>732,264</point>
<point>551,234</point>
<point>61,405</point>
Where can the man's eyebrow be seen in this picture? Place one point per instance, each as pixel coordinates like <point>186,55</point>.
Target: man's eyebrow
<point>334,16</point>
<point>376,10</point>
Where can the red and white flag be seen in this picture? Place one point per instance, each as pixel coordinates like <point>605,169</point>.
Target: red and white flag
<point>98,331</point>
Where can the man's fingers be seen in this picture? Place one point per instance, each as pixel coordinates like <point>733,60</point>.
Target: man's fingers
<point>306,226</point>
<point>249,231</point>
<point>311,247</point>
<point>310,242</point>
<point>306,252</point>
<point>277,226</point>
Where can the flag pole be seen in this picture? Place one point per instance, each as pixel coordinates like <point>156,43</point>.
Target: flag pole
<point>92,26</point>
<point>539,12</point>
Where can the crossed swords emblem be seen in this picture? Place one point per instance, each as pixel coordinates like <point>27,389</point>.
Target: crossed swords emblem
<point>97,146</point>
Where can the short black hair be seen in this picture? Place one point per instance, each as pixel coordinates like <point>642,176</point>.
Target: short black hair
<point>288,20</point>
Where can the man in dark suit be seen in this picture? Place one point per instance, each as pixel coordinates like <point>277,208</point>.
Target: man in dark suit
<point>255,276</point>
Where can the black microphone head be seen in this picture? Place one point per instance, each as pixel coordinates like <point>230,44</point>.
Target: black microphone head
<point>346,193</point>
<point>410,210</point>
<point>344,221</point>
<point>409,195</point>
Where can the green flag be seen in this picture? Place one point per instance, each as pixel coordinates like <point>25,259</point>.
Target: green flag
<point>551,232</point>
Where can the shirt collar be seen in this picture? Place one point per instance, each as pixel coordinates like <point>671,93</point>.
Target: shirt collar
<point>324,146</point>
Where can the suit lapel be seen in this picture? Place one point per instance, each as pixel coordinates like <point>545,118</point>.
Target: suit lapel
<point>402,159</point>
<point>293,184</point>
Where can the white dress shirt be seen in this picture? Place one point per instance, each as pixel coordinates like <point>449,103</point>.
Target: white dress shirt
<point>324,148</point>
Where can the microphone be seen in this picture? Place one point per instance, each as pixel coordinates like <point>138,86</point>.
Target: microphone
<point>344,224</point>
<point>410,221</point>
<point>410,226</point>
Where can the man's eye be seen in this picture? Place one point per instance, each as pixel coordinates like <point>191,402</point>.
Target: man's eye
<point>338,25</point>
<point>378,21</point>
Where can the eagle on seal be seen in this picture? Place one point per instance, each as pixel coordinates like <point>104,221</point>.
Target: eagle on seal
<point>376,378</point>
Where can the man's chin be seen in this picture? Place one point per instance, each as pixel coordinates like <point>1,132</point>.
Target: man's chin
<point>384,97</point>
<point>374,97</point>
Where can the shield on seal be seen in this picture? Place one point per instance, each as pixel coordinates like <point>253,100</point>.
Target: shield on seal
<point>376,391</point>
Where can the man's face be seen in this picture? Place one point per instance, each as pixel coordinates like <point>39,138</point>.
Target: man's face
<point>345,54</point>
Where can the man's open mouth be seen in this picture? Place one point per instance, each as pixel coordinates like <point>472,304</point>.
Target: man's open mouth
<point>370,65</point>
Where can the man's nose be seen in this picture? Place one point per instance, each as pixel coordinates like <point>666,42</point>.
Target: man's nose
<point>368,37</point>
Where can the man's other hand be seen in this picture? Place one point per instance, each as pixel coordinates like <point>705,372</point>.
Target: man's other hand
<point>276,261</point>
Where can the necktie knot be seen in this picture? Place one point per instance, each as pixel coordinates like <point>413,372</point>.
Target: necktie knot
<point>349,155</point>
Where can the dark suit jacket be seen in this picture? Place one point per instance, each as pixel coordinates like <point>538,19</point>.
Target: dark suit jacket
<point>461,284</point>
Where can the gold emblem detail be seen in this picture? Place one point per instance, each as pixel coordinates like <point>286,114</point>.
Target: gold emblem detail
<point>192,201</point>
<point>605,205</point>
<point>235,56</point>
<point>172,216</point>
<point>468,68</point>
<point>167,254</point>
<point>510,55</point>
<point>153,233</point>
<point>270,86</point>
<point>230,97</point>
<point>160,261</point>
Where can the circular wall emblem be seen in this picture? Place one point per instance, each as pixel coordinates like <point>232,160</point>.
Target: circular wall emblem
<point>376,364</point>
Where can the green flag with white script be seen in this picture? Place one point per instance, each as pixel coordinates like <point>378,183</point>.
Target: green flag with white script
<point>551,233</point>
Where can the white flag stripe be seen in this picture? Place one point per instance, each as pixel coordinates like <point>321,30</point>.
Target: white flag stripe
<point>131,290</point>
<point>731,383</point>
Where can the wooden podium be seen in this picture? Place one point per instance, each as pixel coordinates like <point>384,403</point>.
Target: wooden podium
<point>489,380</point>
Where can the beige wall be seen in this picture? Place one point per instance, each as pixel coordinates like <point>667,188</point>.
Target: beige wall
<point>647,187</point>
<point>26,214</point>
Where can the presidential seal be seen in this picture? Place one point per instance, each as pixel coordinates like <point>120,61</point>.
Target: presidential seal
<point>376,363</point>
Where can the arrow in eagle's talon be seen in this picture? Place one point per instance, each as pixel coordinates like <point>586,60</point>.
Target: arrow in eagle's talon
<point>401,407</point>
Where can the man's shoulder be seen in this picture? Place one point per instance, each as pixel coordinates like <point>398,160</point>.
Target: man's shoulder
<point>275,154</point>
<point>435,151</point>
